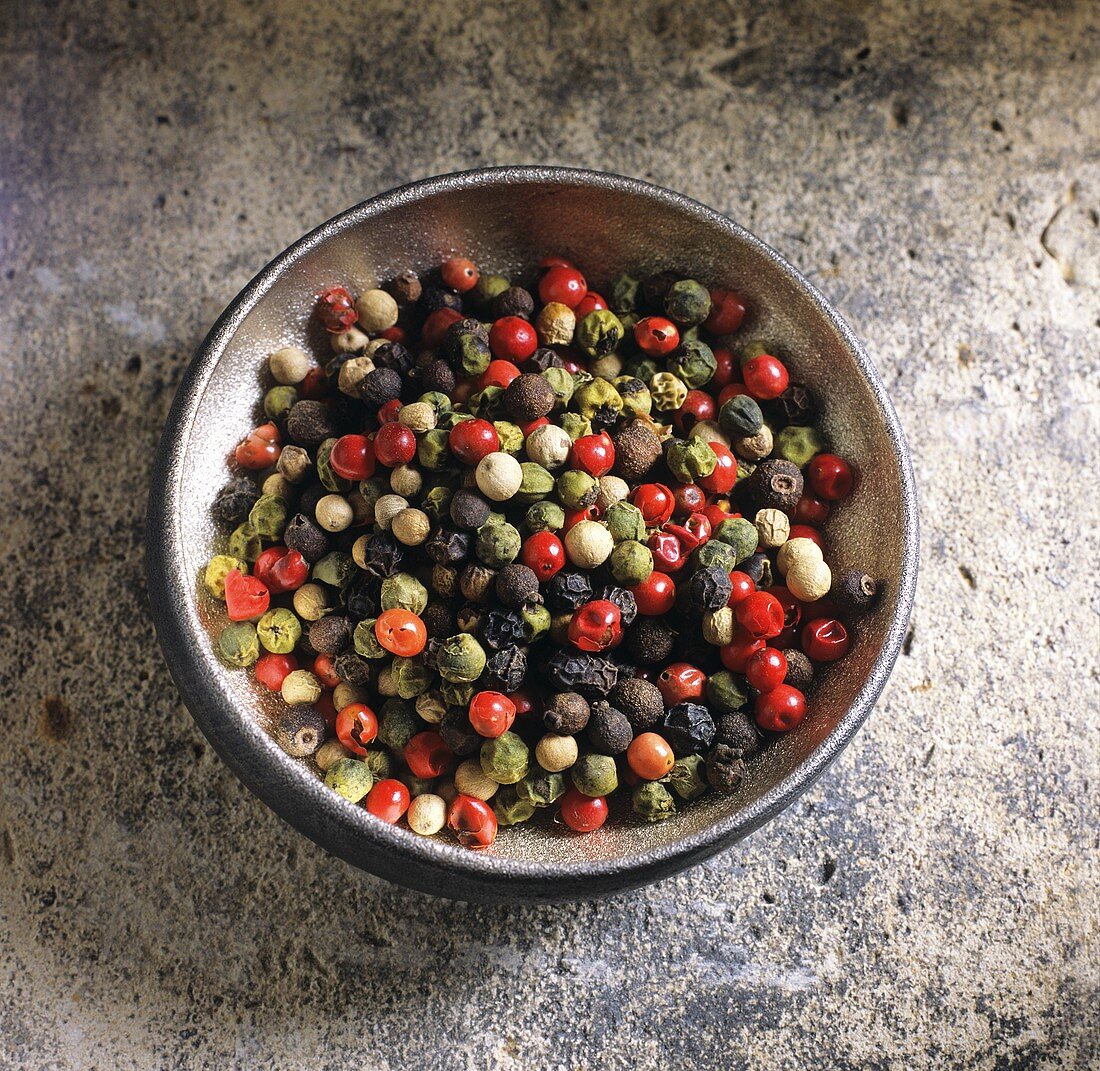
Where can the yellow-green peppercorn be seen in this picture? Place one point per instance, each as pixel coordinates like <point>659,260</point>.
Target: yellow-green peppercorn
<point>365,641</point>
<point>623,295</point>
<point>505,758</point>
<point>652,801</point>
<point>644,368</point>
<point>669,392</point>
<point>798,445</point>
<point>562,384</point>
<point>637,401</point>
<point>456,695</point>
<point>719,626</point>
<point>693,362</point>
<point>688,777</point>
<point>600,332</point>
<point>431,707</point>
<point>599,396</point>
<point>714,553</point>
<point>238,643</point>
<point>536,484</point>
<point>335,569</point>
<point>555,324</point>
<point>276,484</point>
<point>411,677</point>
<point>279,631</point>
<point>278,400</point>
<point>631,562</point>
<point>687,303</point>
<point>725,693</point>
<point>433,451</point>
<point>625,521</point>
<point>753,447</point>
<point>541,787</point>
<point>753,348</point>
<point>555,752</point>
<point>487,402</point>
<point>690,459</point>
<point>311,602</point>
<point>536,621</point>
<point>575,426</point>
<point>472,780</point>
<point>498,544</point>
<point>344,694</point>
<point>510,436</point>
<point>577,489</point>
<point>371,491</point>
<point>608,367</point>
<point>741,534</point>
<point>385,684</point>
<point>595,775</point>
<point>244,542</point>
<point>217,569</point>
<point>489,287</point>
<point>349,778</point>
<point>301,686</point>
<point>427,814</point>
<point>268,516</point>
<point>510,808</point>
<point>378,762</point>
<point>460,659</point>
<point>544,517</point>
<point>404,592</point>
<point>294,464</point>
<point>398,723</point>
<point>417,786</point>
<point>437,502</point>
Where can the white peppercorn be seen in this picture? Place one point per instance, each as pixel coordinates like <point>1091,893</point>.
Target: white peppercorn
<point>411,526</point>
<point>797,550</point>
<point>345,694</point>
<point>377,311</point>
<point>406,481</point>
<point>333,513</point>
<point>548,446</point>
<point>427,814</point>
<point>612,489</point>
<point>774,527</point>
<point>719,626</point>
<point>278,485</point>
<point>471,780</point>
<point>588,544</point>
<point>754,447</point>
<point>311,602</point>
<point>709,432</point>
<point>386,508</point>
<point>809,580</point>
<point>418,416</point>
<point>498,476</point>
<point>386,685</point>
<point>350,341</point>
<point>556,753</point>
<point>300,686</point>
<point>289,365</point>
<point>352,373</point>
<point>293,464</point>
<point>330,752</point>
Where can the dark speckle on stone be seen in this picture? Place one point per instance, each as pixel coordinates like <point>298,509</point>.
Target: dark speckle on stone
<point>56,721</point>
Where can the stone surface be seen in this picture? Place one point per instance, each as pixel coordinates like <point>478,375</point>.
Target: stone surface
<point>932,903</point>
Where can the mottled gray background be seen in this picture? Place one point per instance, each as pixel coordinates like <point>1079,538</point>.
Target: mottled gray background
<point>932,902</point>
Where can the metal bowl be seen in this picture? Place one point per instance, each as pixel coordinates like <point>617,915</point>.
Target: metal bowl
<point>506,219</point>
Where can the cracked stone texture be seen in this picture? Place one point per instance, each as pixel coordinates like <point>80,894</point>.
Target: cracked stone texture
<point>931,903</point>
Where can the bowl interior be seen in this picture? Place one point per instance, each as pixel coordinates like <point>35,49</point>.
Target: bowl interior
<point>507,223</point>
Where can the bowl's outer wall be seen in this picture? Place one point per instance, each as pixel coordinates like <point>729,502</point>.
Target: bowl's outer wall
<point>506,219</point>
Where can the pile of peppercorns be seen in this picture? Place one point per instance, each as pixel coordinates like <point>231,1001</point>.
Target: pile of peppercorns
<point>507,549</point>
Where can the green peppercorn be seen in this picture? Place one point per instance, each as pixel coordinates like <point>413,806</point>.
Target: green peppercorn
<point>510,808</point>
<point>510,436</point>
<point>740,416</point>
<point>599,333</point>
<point>439,401</point>
<point>536,621</point>
<point>715,553</point>
<point>751,349</point>
<point>487,403</point>
<point>433,451</point>
<point>643,368</point>
<point>505,758</point>
<point>379,763</point>
<point>217,569</point>
<point>325,472</point>
<point>498,544</point>
<point>598,397</point>
<point>244,543</point>
<point>575,426</point>
<point>279,631</point>
<point>544,517</point>
<point>637,401</point>
<point>739,533</point>
<point>631,562</point>
<point>335,569</point>
<point>561,382</point>
<point>595,775</point>
<point>404,592</point>
<point>398,723</point>
<point>537,482</point>
<point>436,503</point>
<point>467,344</point>
<point>694,362</point>
<point>623,295</point>
<point>725,693</point>
<point>365,641</point>
<point>687,303</point>
<point>456,694</point>
<point>411,677</point>
<point>798,445</point>
<point>577,489</point>
<point>688,777</point>
<point>652,801</point>
<point>278,400</point>
<point>690,459</point>
<point>669,391</point>
<point>460,659</point>
<point>350,778</point>
<point>238,643</point>
<point>625,522</point>
<point>541,788</point>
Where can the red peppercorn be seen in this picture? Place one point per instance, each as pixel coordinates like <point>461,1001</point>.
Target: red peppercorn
<point>581,813</point>
<point>596,626</point>
<point>716,513</point>
<point>288,573</point>
<point>395,334</point>
<point>394,444</point>
<point>246,597</point>
<point>766,669</point>
<point>693,533</point>
<point>325,671</point>
<point>530,425</point>
<point>459,274</point>
<point>352,457</point>
<point>336,308</point>
<point>315,386</point>
<point>780,709</point>
<point>735,655</point>
<point>356,726</point>
<point>273,669</point>
<point>389,412</point>
<point>435,326</point>
<point>792,615</point>
<point>656,336</point>
<point>574,517</point>
<point>512,338</point>
<point>760,615</point>
<point>571,366</point>
<point>689,498</point>
<point>698,405</point>
<point>388,800</point>
<point>524,702</point>
<point>824,639</point>
<point>401,632</point>
<point>261,567</point>
<point>491,714</point>
<point>498,374</point>
<point>830,477</point>
<point>681,681</point>
<point>743,587</point>
<point>724,476</point>
<point>730,391</point>
<point>655,501</point>
<point>594,454</point>
<point>260,449</point>
<point>324,706</point>
<point>656,595</point>
<point>591,302</point>
<point>554,261</point>
<point>668,554</point>
<point>563,284</point>
<point>427,756</point>
<point>544,553</point>
<point>765,377</point>
<point>810,510</point>
<point>727,371</point>
<point>471,440</point>
<point>650,757</point>
<point>472,821</point>
<point>727,312</point>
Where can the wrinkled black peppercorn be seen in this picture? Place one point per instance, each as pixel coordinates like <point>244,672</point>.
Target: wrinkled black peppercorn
<point>306,537</point>
<point>689,728</point>
<point>352,668</point>
<point>725,769</point>
<point>543,358</point>
<point>576,671</point>
<point>393,355</point>
<point>377,387</point>
<point>439,620</point>
<point>655,287</point>
<point>446,547</point>
<point>567,590</point>
<point>502,628</point>
<point>434,298</point>
<point>438,376</point>
<point>609,729</point>
<point>234,500</point>
<point>624,600</point>
<point>709,589</point>
<point>383,555</point>
<point>796,405</point>
<point>457,732</point>
<point>506,669</point>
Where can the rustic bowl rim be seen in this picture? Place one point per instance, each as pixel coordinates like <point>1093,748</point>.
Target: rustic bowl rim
<point>349,832</point>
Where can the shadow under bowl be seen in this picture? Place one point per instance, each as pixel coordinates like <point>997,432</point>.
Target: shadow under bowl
<point>506,219</point>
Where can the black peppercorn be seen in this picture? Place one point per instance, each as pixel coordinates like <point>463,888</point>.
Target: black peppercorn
<point>383,555</point>
<point>405,288</point>
<point>609,729</point>
<point>624,600</point>
<point>306,537</point>
<point>800,670</point>
<point>637,450</point>
<point>434,298</point>
<point>378,387</point>
<point>566,713</point>
<point>640,701</point>
<point>330,635</point>
<point>506,669</point>
<point>234,501</point>
<point>725,769</point>
<point>307,501</point>
<point>310,423</point>
<point>361,598</point>
<point>515,301</point>
<point>649,641</point>
<point>796,405</point>
<point>351,668</point>
<point>529,397</point>
<point>689,728</point>
<point>393,355</point>
<point>542,359</point>
<point>709,589</point>
<point>439,620</point>
<point>737,731</point>
<point>754,568</point>
<point>457,732</point>
<point>446,547</point>
<point>517,584</point>
<point>856,590</point>
<point>502,628</point>
<point>577,671</point>
<point>469,510</point>
<point>567,590</point>
<point>439,376</point>
<point>655,287</point>
<point>775,484</point>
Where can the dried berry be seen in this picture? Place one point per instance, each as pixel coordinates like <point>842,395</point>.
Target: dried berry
<point>516,584</point>
<point>566,713</point>
<point>568,589</point>
<point>609,730</point>
<point>689,728</point>
<point>506,669</point>
<point>725,769</point>
<point>650,641</point>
